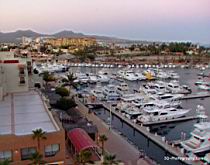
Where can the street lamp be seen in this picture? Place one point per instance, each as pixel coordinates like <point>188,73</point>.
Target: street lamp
<point>110,117</point>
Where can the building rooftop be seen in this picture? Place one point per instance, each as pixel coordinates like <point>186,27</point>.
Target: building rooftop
<point>20,113</point>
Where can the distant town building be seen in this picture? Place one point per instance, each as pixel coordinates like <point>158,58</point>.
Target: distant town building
<point>77,42</point>
<point>26,40</point>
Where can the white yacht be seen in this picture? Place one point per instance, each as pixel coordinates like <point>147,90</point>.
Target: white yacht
<point>159,104</point>
<point>110,92</point>
<point>199,141</point>
<point>132,112</point>
<point>81,77</point>
<point>167,97</point>
<point>139,102</point>
<point>130,97</point>
<point>174,87</point>
<point>204,87</point>
<point>153,115</point>
<point>103,72</point>
<point>128,75</point>
<point>92,78</point>
<point>103,78</point>
<point>173,75</point>
<point>162,75</point>
<point>123,86</point>
<point>140,76</point>
<point>97,93</point>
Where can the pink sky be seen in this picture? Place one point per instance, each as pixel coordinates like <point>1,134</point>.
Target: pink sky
<point>125,18</point>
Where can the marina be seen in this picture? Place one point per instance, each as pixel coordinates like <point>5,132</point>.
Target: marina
<point>146,129</point>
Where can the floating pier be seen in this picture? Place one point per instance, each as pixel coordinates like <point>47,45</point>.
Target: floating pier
<point>196,95</point>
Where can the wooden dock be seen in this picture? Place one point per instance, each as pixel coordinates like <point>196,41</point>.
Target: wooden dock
<point>199,95</point>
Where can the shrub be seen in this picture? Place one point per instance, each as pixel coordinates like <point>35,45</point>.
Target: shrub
<point>65,104</point>
<point>62,91</point>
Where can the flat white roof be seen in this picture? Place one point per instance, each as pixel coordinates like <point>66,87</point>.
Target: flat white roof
<point>20,113</point>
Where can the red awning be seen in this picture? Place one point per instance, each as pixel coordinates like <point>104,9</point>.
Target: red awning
<point>81,140</point>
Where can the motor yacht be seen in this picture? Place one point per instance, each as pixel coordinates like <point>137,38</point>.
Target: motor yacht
<point>81,77</point>
<point>103,78</point>
<point>92,78</point>
<point>110,92</point>
<point>98,93</point>
<point>159,104</point>
<point>132,112</point>
<point>128,75</point>
<point>130,97</point>
<point>140,76</point>
<point>174,87</point>
<point>199,140</point>
<point>167,97</point>
<point>204,87</point>
<point>173,75</point>
<point>123,86</point>
<point>156,114</point>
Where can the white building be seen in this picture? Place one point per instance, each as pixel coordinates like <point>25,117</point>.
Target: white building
<point>13,74</point>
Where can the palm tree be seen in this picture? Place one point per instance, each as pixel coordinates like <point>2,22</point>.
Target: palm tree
<point>102,139</point>
<point>39,134</point>
<point>110,160</point>
<point>5,162</point>
<point>37,159</point>
<point>84,157</point>
<point>71,78</point>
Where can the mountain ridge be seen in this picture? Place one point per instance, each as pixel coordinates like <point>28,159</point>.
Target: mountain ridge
<point>15,37</point>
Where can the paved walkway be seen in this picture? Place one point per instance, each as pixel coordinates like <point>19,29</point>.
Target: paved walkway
<point>115,144</point>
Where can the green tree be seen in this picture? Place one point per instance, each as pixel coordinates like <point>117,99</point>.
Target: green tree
<point>62,91</point>
<point>102,139</point>
<point>37,159</point>
<point>5,162</point>
<point>132,48</point>
<point>110,160</point>
<point>84,157</point>
<point>65,104</point>
<point>47,77</point>
<point>39,135</point>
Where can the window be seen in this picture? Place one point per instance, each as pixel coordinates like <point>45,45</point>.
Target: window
<point>21,71</point>
<point>22,80</point>
<point>27,152</point>
<point>52,150</point>
<point>5,155</point>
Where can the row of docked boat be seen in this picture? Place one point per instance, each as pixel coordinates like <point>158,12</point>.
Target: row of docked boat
<point>144,108</point>
<point>48,67</point>
<point>96,65</point>
<point>159,87</point>
<point>117,65</point>
<point>149,74</point>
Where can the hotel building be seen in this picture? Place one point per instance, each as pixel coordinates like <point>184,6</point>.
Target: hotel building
<point>23,110</point>
<point>76,42</point>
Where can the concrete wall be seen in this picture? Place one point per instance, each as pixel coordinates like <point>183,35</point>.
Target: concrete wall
<point>11,73</point>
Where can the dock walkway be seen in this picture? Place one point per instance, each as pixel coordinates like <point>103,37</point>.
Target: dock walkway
<point>115,141</point>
